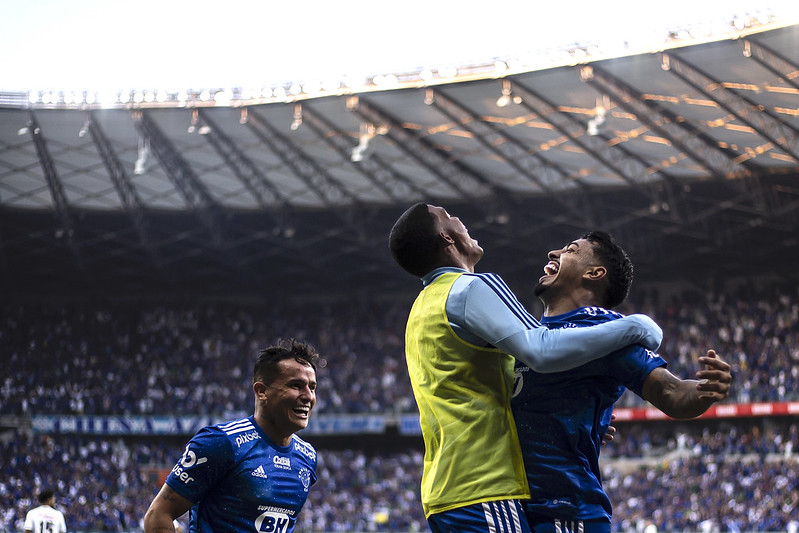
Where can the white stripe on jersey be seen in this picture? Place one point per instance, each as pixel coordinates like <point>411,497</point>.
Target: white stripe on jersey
<point>514,512</point>
<point>509,299</point>
<point>237,426</point>
<point>502,517</point>
<point>570,526</point>
<point>489,518</point>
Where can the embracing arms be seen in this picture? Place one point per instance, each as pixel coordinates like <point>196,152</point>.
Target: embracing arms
<point>486,308</point>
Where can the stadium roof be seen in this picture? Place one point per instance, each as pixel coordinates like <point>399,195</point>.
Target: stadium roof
<point>688,155</point>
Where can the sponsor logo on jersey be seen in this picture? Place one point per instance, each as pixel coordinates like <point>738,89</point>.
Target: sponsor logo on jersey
<point>305,477</point>
<point>273,509</point>
<point>305,449</point>
<point>188,460</point>
<point>247,437</point>
<point>270,522</point>
<point>259,472</point>
<point>282,462</point>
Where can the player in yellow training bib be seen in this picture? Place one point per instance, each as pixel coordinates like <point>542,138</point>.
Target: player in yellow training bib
<point>462,330</point>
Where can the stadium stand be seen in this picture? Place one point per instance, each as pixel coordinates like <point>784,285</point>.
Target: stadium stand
<point>198,357</point>
<point>736,474</point>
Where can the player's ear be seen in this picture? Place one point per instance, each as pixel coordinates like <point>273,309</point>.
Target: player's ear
<point>259,388</point>
<point>446,237</point>
<point>596,273</point>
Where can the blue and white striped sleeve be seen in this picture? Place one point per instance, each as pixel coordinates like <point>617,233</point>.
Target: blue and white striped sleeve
<point>490,311</point>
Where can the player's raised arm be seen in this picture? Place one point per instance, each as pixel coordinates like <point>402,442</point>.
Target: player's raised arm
<point>689,398</point>
<point>546,350</point>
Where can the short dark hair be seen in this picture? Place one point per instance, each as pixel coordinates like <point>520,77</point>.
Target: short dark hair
<point>45,495</point>
<point>620,268</point>
<point>266,370</point>
<point>413,240</point>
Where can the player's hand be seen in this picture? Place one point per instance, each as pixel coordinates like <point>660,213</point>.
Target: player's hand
<point>608,437</point>
<point>715,379</point>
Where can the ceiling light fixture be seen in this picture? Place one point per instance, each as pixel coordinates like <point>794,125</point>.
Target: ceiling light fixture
<point>195,117</point>
<point>429,97</point>
<point>140,167</point>
<point>505,98</point>
<point>297,117</point>
<point>600,116</point>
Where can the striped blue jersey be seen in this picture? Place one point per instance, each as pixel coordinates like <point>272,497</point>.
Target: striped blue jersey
<point>562,416</point>
<point>240,481</point>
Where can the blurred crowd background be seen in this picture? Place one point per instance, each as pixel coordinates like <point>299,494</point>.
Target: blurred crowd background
<point>147,358</point>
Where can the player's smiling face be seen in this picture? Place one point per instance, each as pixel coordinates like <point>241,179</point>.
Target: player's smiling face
<point>290,398</point>
<point>565,268</point>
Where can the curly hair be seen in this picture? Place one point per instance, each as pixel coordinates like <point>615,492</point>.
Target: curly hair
<point>620,268</point>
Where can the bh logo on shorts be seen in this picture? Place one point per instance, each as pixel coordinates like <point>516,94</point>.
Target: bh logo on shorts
<point>270,522</point>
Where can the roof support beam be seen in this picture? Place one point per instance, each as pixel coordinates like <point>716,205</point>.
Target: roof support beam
<point>182,176</point>
<point>780,134</point>
<point>343,202</point>
<point>551,179</point>
<point>630,168</point>
<point>426,155</point>
<point>771,60</point>
<point>273,202</point>
<point>66,227</point>
<point>266,193</point>
<point>720,162</point>
<point>328,189</point>
<point>197,196</point>
<point>127,193</point>
<point>393,184</point>
<point>756,116</point>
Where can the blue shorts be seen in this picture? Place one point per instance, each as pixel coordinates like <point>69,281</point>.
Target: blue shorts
<point>547,524</point>
<point>499,516</point>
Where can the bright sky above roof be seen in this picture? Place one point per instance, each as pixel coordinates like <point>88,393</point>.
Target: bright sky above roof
<point>180,44</point>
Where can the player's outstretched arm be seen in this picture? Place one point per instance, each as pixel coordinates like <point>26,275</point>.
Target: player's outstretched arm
<point>555,350</point>
<point>165,508</point>
<point>490,310</point>
<point>689,398</point>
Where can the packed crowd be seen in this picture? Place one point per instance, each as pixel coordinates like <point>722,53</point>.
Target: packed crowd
<point>119,359</point>
<point>737,477</point>
<point>125,359</point>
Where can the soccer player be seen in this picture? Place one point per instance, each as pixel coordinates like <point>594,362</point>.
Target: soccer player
<point>45,518</point>
<point>251,474</point>
<point>462,331</point>
<point>561,417</point>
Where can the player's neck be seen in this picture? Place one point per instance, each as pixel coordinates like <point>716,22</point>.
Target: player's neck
<point>569,302</point>
<point>275,434</point>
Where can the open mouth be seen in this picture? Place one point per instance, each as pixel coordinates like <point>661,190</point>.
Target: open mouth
<point>551,268</point>
<point>303,411</point>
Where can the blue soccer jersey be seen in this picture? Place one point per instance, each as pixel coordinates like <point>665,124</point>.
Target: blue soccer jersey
<point>240,481</point>
<point>562,416</point>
